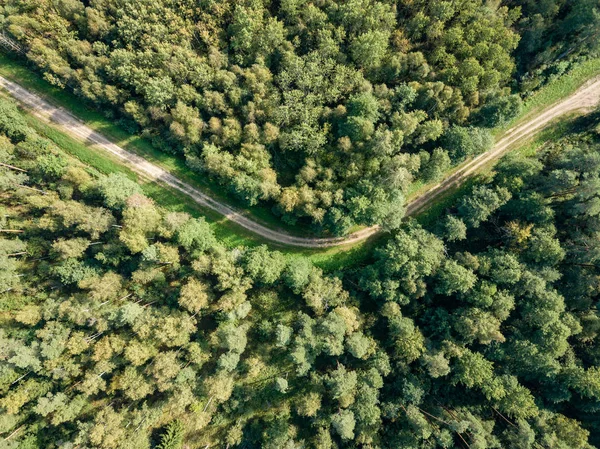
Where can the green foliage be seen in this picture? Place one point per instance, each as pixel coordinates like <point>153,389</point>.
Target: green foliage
<point>342,385</point>
<point>453,229</point>
<point>552,30</point>
<point>437,164</point>
<point>499,312</point>
<point>117,314</point>
<point>263,265</point>
<point>297,273</point>
<point>482,202</point>
<point>281,385</point>
<point>402,265</point>
<point>116,188</point>
<point>462,142</point>
<point>12,123</point>
<point>72,271</point>
<point>51,167</point>
<point>452,278</point>
<point>195,235</point>
<point>500,111</point>
<point>343,422</point>
<point>172,438</point>
<point>287,104</point>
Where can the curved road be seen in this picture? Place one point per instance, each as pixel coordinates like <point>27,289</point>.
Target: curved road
<point>586,97</point>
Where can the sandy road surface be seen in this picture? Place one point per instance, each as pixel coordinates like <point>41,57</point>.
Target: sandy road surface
<point>586,97</point>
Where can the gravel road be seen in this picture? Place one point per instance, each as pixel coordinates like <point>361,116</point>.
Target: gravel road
<point>586,97</point>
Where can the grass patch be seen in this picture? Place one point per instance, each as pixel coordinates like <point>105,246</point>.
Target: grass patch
<point>339,257</point>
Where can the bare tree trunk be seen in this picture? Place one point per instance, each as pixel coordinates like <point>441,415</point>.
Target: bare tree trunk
<point>12,167</point>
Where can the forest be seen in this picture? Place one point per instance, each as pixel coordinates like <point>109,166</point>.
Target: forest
<point>327,112</point>
<point>126,326</point>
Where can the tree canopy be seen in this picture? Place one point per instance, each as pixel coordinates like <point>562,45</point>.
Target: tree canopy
<point>318,109</point>
<point>128,325</point>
